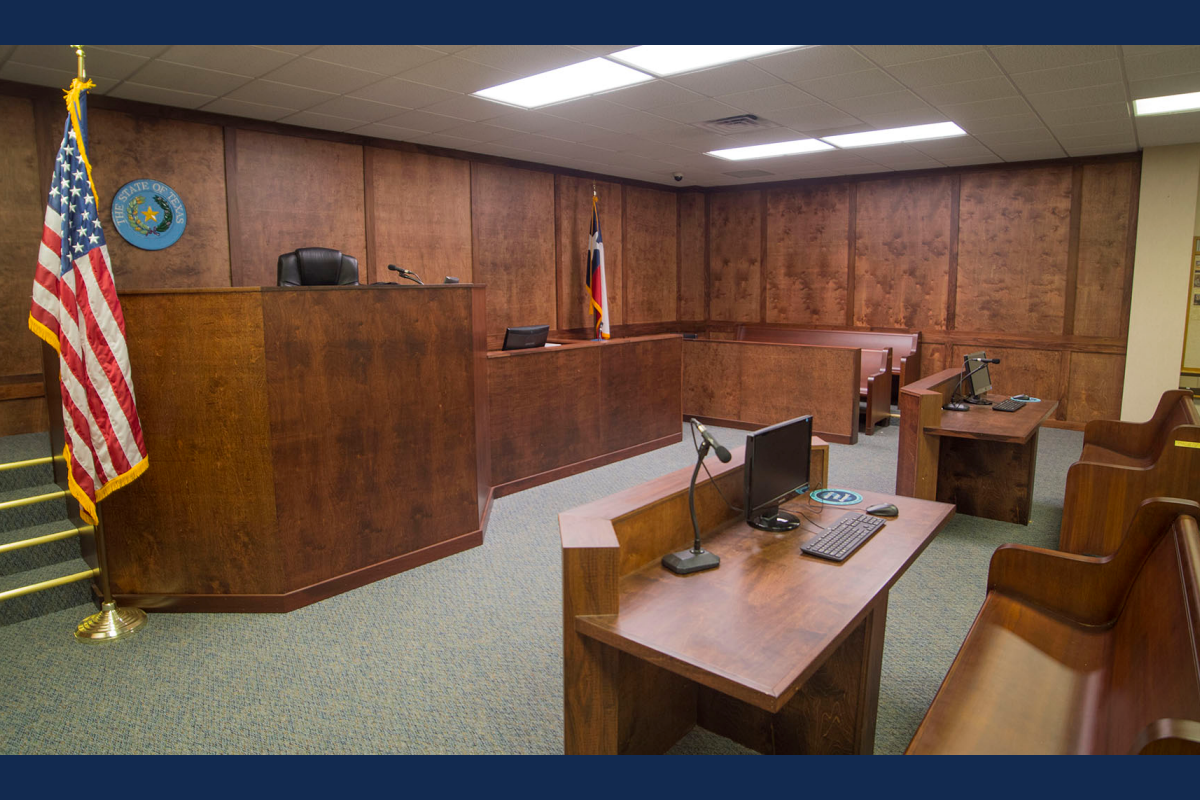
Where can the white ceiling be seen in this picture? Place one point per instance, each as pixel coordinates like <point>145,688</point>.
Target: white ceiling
<point>1017,102</point>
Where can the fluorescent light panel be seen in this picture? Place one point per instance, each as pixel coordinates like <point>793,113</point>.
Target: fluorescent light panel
<point>565,83</point>
<point>1168,104</point>
<point>672,59</point>
<point>771,150</point>
<point>914,133</point>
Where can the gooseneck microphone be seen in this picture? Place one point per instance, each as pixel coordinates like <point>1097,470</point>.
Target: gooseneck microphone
<point>722,453</point>
<point>985,360</point>
<point>406,273</point>
<point>967,372</point>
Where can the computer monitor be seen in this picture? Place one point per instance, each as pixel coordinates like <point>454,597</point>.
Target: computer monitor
<point>525,337</point>
<point>981,382</point>
<point>777,459</point>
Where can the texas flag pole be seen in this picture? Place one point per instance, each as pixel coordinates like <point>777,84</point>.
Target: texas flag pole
<point>597,287</point>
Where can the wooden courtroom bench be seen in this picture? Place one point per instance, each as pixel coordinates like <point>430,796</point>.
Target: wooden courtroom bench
<point>1124,463</point>
<point>1073,654</point>
<point>875,388</point>
<point>906,354</point>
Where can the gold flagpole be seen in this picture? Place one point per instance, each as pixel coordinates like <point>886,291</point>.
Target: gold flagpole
<point>110,622</point>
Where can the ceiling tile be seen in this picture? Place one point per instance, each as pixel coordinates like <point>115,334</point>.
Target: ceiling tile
<point>853,84</point>
<point>526,121</point>
<point>602,49</point>
<point>1124,138</point>
<point>396,92</point>
<point>586,109</point>
<point>294,49</point>
<point>1028,152</point>
<point>764,101</point>
<point>900,119</point>
<point>384,59</point>
<point>887,55</point>
<point>1062,78</point>
<point>883,103</point>
<point>637,122</point>
<point>466,107</point>
<point>99,62</point>
<point>1013,122</point>
<point>386,132</point>
<point>812,117</point>
<point>968,91</point>
<point>422,121</point>
<point>279,94</point>
<point>1030,57</point>
<point>766,136</point>
<point>1163,64</point>
<point>697,111</point>
<point>156,94</point>
<point>478,131</point>
<point>1121,127</point>
<point>44,76</point>
<point>1168,129</point>
<point>652,94</point>
<point>246,60</point>
<point>6,50</point>
<point>1101,113</point>
<point>811,63</point>
<point>143,50</point>
<point>573,131</point>
<point>972,66</point>
<point>970,161</point>
<point>1016,137</point>
<point>1158,87</point>
<point>958,146</point>
<point>458,75</point>
<point>323,121</point>
<point>1075,98</point>
<point>312,74</point>
<point>1096,151</point>
<point>524,59</point>
<point>188,79</point>
<point>726,79</point>
<point>356,109</point>
<point>239,108</point>
<point>965,112</point>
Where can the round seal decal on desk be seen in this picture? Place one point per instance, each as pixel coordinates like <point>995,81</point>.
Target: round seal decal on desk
<point>837,497</point>
<point>149,214</point>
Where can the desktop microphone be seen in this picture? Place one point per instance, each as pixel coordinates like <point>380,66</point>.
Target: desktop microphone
<point>408,273</point>
<point>722,453</point>
<point>985,360</point>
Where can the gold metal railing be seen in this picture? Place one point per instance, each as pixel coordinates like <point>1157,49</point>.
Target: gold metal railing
<point>29,462</point>
<point>50,584</point>
<point>29,501</point>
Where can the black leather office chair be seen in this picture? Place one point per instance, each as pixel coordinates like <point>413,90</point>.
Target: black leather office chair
<point>317,266</point>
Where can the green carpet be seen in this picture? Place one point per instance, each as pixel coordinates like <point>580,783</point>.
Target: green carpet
<point>460,656</point>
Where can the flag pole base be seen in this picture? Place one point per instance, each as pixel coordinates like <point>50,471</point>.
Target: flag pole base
<point>110,624</point>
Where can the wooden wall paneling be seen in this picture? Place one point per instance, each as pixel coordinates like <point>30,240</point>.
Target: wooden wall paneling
<point>1034,372</point>
<point>851,267</point>
<point>934,358</point>
<point>295,192</point>
<point>422,210</point>
<point>573,215</point>
<point>735,249</point>
<point>641,386</point>
<point>343,400</point>
<point>650,279</point>
<point>524,392</point>
<point>902,253</point>
<point>711,384</point>
<point>1094,386</point>
<point>1068,327</point>
<point>1104,265</point>
<point>190,158</point>
<point>807,255</point>
<point>1014,232</point>
<point>693,281</point>
<point>202,517</point>
<point>512,245</point>
<point>952,281</point>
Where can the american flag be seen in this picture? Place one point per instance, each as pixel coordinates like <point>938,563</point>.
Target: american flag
<point>75,310</point>
<point>597,288</point>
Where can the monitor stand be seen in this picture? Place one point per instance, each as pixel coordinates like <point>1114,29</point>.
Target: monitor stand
<point>976,400</point>
<point>772,519</point>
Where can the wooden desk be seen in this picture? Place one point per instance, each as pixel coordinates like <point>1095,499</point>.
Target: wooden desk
<point>774,649</point>
<point>981,460</point>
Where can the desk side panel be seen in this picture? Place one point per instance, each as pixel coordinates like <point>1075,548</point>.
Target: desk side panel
<point>201,520</point>
<point>372,408</point>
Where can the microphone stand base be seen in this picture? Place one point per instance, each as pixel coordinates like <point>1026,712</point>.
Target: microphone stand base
<point>956,407</point>
<point>685,562</point>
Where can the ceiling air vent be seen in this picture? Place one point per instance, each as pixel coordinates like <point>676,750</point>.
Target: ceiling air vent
<point>748,173</point>
<point>739,124</point>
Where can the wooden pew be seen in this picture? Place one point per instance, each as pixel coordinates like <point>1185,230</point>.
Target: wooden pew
<point>906,353</point>
<point>1124,463</point>
<point>1075,654</point>
<point>875,388</point>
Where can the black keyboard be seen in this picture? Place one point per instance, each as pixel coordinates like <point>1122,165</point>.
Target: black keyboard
<point>844,536</point>
<point>1008,405</point>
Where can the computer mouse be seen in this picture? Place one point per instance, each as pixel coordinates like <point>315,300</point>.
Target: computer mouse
<point>883,510</point>
<point>1024,398</point>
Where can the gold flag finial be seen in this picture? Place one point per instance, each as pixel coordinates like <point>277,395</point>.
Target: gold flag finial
<point>79,52</point>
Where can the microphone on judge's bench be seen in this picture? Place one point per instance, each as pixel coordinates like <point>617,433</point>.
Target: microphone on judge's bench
<point>722,454</point>
<point>407,273</point>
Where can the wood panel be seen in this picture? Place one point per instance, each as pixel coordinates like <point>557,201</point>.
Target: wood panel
<point>422,215</point>
<point>202,517</point>
<point>23,415</point>
<point>934,358</point>
<point>640,383</point>
<point>649,266</point>
<point>573,210</point>
<point>22,209</point>
<point>372,423</point>
<point>902,253</point>
<point>1094,387</point>
<point>188,157</point>
<point>293,192</point>
<point>512,236</point>
<point>735,256</point>
<point>1014,236</point>
<point>1104,233</point>
<point>807,252</point>
<point>693,274</point>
